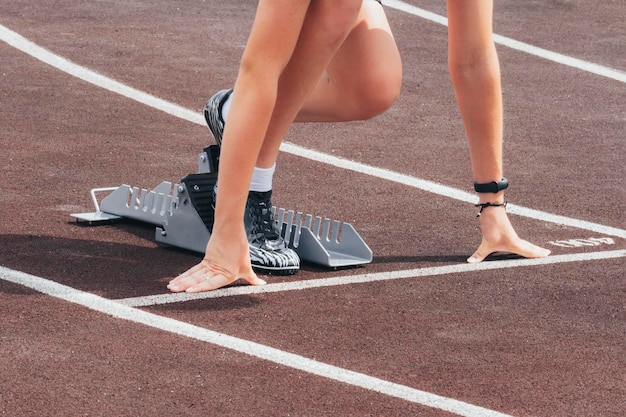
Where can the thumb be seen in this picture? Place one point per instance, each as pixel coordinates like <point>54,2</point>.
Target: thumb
<point>481,253</point>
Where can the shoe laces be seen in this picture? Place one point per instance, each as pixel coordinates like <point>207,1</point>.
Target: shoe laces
<point>260,209</point>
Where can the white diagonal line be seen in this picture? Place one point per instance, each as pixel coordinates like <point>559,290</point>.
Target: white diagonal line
<point>151,300</point>
<point>247,347</point>
<point>580,64</point>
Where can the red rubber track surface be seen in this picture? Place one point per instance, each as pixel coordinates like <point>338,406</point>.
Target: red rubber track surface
<point>538,339</point>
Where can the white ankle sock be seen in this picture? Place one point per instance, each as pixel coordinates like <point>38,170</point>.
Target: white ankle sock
<point>262,179</point>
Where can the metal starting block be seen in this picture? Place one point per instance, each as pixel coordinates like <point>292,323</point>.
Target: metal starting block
<point>183,214</point>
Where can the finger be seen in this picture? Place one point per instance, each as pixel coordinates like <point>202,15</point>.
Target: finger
<point>213,281</point>
<point>194,269</point>
<point>181,284</point>
<point>529,250</point>
<point>186,274</point>
<point>253,279</point>
<point>209,282</point>
<point>521,247</point>
<point>481,253</point>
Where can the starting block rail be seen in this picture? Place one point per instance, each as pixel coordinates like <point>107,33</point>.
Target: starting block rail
<point>183,214</point>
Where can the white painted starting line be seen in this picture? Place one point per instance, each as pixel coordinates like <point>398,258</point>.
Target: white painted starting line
<point>366,278</point>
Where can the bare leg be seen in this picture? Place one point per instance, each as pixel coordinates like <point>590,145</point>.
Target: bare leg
<point>280,30</point>
<point>362,79</point>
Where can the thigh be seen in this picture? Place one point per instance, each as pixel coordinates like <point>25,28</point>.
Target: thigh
<point>274,34</point>
<point>369,52</point>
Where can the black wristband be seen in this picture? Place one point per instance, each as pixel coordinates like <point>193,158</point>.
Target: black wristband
<point>492,187</point>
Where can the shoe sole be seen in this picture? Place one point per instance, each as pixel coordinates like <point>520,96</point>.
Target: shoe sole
<point>275,271</point>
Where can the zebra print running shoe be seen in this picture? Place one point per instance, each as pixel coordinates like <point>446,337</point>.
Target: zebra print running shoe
<point>213,114</point>
<point>268,250</point>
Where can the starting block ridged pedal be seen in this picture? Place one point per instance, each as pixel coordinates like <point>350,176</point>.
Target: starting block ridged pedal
<point>140,204</point>
<point>132,203</point>
<point>183,214</point>
<point>323,241</point>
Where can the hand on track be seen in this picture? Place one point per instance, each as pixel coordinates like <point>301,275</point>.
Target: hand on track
<point>499,236</point>
<point>224,263</point>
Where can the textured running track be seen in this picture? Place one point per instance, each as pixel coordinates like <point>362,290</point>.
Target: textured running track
<point>88,328</point>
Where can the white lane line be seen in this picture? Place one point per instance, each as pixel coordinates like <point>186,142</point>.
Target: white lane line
<point>152,300</point>
<point>19,42</point>
<point>443,190</point>
<point>257,350</point>
<point>517,45</point>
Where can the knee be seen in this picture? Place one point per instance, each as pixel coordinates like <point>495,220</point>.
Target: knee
<point>377,95</point>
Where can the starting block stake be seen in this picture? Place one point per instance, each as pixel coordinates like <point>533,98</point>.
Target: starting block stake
<point>97,216</point>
